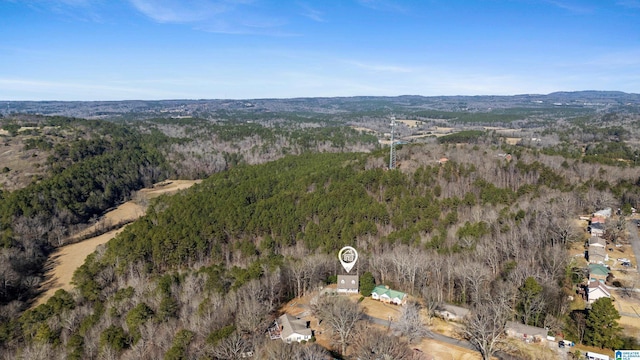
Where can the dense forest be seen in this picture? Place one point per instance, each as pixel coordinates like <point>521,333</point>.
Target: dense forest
<point>83,168</point>
<point>221,257</point>
<point>207,269</point>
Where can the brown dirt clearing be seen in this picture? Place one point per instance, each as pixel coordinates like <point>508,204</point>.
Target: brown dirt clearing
<point>67,259</point>
<point>441,350</point>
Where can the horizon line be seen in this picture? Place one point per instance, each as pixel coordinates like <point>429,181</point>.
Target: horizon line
<point>331,97</point>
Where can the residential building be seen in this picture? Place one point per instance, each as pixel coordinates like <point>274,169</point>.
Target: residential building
<point>597,241</point>
<point>348,284</point>
<point>526,332</point>
<point>597,255</point>
<point>598,272</point>
<point>386,295</point>
<point>293,329</point>
<point>596,229</point>
<point>452,313</point>
<point>597,290</point>
<point>606,213</point>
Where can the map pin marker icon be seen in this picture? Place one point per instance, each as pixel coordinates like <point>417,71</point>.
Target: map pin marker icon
<point>348,257</point>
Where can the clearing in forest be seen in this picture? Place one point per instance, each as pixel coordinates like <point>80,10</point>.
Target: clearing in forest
<point>64,262</point>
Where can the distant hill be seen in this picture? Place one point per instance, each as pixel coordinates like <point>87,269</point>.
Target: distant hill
<point>142,109</point>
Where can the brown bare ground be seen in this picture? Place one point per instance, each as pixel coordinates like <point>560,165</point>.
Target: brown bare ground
<point>440,350</point>
<point>23,164</point>
<point>67,259</point>
<point>410,123</point>
<point>380,310</point>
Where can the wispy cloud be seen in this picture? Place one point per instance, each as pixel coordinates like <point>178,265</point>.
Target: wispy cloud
<point>177,11</point>
<point>78,10</point>
<point>380,67</point>
<point>571,6</point>
<point>237,17</point>
<point>633,4</point>
<point>383,5</point>
<point>311,13</point>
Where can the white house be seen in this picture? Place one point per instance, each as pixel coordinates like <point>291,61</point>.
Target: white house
<point>597,290</point>
<point>603,213</point>
<point>386,295</point>
<point>293,329</point>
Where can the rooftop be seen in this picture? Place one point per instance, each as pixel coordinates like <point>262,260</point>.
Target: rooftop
<point>291,325</point>
<point>598,269</point>
<point>382,290</point>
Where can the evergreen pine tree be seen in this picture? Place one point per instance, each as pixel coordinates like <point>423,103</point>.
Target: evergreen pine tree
<point>602,326</point>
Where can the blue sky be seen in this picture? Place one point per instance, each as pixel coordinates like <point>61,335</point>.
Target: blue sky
<point>242,49</point>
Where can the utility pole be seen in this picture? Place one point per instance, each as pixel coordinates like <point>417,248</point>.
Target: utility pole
<point>392,153</point>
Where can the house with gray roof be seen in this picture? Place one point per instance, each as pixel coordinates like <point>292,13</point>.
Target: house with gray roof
<point>597,241</point>
<point>293,329</point>
<point>525,332</point>
<point>597,255</point>
<point>348,284</point>
<point>452,313</point>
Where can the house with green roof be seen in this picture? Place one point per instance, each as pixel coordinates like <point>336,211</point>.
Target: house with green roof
<point>598,272</point>
<point>386,295</point>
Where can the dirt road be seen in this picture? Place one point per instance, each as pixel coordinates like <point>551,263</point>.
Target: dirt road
<point>67,259</point>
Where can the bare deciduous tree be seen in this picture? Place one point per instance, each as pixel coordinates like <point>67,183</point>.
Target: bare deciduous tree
<point>278,350</point>
<point>410,323</point>
<point>341,315</point>
<point>485,328</point>
<point>233,347</point>
<point>374,344</point>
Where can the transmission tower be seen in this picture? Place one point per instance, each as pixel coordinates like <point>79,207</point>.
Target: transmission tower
<point>392,152</point>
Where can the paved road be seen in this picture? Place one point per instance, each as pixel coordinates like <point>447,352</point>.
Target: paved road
<point>431,335</point>
<point>634,238</point>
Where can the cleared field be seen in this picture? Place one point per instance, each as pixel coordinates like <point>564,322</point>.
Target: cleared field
<point>23,164</point>
<point>67,259</point>
<point>410,123</point>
